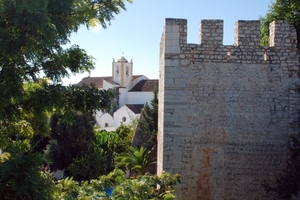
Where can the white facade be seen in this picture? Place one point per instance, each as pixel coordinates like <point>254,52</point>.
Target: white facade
<point>125,116</point>
<point>138,97</point>
<point>123,96</point>
<point>106,120</point>
<point>109,84</point>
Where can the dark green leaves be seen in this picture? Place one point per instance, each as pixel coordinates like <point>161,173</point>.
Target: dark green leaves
<point>21,177</point>
<point>68,99</point>
<point>281,10</point>
<point>33,35</point>
<point>148,124</point>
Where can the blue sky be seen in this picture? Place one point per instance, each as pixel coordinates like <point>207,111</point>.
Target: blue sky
<point>135,33</point>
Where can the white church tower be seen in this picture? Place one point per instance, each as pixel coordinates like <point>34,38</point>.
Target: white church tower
<point>122,73</point>
<point>133,92</point>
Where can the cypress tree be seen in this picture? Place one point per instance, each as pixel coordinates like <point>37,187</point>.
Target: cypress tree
<point>148,124</point>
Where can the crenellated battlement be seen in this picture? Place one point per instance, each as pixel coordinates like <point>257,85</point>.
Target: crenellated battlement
<point>211,32</point>
<point>246,45</point>
<point>226,111</point>
<point>247,33</point>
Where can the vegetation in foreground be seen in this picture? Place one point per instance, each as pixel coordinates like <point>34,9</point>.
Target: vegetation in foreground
<point>38,112</point>
<point>115,187</point>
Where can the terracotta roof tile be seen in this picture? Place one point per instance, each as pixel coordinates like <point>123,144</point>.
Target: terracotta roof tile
<point>97,81</point>
<point>112,82</point>
<point>136,108</point>
<point>145,86</point>
<point>136,76</point>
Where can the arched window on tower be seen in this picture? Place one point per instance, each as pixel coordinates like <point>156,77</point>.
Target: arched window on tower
<point>117,70</point>
<point>127,71</point>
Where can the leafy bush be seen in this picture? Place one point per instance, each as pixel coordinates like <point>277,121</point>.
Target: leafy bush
<point>135,159</point>
<point>147,187</point>
<point>70,139</point>
<point>22,177</point>
<point>83,152</point>
<point>141,187</point>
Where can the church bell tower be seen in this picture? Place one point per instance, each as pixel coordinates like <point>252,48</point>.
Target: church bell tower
<point>122,72</point>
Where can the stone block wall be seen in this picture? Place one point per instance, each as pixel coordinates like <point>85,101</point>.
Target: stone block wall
<point>226,112</point>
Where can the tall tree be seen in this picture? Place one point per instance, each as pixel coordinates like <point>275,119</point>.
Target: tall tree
<point>32,35</point>
<point>148,124</point>
<point>281,10</point>
<point>69,140</point>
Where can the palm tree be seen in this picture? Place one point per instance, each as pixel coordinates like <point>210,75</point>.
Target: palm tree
<point>136,159</point>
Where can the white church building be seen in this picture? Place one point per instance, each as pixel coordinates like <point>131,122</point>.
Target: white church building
<point>134,91</point>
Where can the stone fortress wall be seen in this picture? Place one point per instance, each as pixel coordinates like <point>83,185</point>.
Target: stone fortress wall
<point>226,112</point>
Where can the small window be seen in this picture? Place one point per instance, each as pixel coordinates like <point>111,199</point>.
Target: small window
<point>124,119</point>
<point>106,124</point>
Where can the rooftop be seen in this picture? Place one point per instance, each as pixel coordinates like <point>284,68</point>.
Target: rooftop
<point>145,86</point>
<point>98,81</point>
<point>136,108</point>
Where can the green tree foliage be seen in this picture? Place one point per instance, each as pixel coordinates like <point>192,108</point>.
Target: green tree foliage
<point>288,182</point>
<point>148,125</point>
<point>140,188</point>
<point>136,160</point>
<point>147,187</point>
<point>83,152</point>
<point>281,10</point>
<point>33,35</point>
<point>100,159</point>
<point>122,141</point>
<point>90,165</point>
<point>97,161</point>
<point>22,177</point>
<point>69,140</point>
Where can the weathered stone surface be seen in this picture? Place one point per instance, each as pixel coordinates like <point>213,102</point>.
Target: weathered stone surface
<point>226,112</point>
